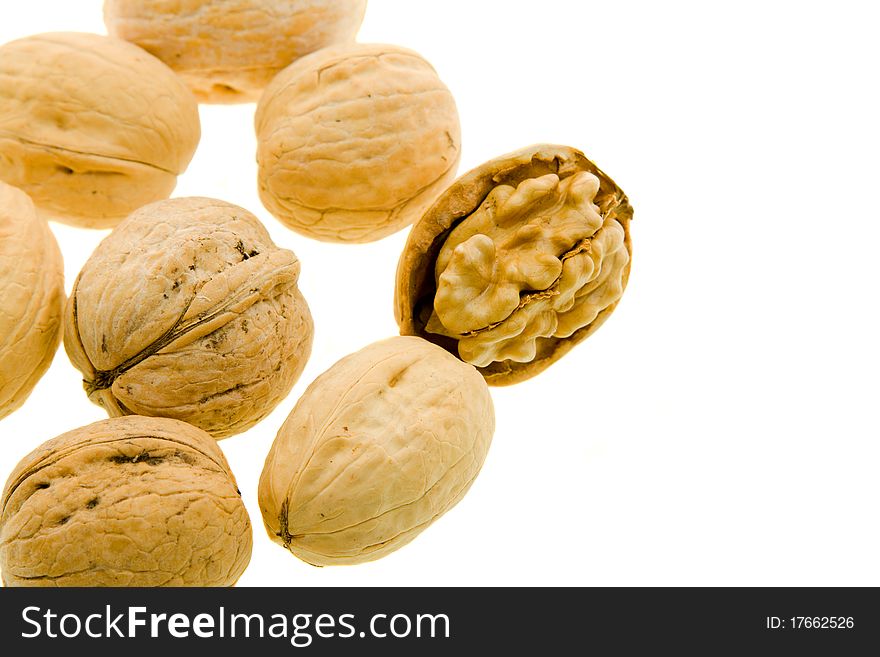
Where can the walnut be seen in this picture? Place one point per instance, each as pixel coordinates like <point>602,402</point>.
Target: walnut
<point>31,298</point>
<point>355,142</point>
<point>228,50</point>
<point>92,127</point>
<point>377,448</point>
<point>188,310</point>
<point>129,501</point>
<point>518,261</point>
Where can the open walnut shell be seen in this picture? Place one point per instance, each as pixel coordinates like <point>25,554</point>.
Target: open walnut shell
<point>516,262</point>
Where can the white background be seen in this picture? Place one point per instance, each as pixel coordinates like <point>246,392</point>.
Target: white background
<point>721,428</point>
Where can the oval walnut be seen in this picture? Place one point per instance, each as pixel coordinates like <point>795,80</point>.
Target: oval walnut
<point>355,142</point>
<point>31,298</point>
<point>129,501</point>
<point>92,127</point>
<point>188,310</point>
<point>227,51</point>
<point>377,448</point>
<point>518,261</point>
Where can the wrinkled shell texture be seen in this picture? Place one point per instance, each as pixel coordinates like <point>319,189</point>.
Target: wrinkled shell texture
<point>124,502</point>
<point>31,297</point>
<point>227,51</point>
<point>355,142</point>
<point>188,310</point>
<point>92,127</point>
<point>517,261</point>
<point>378,447</point>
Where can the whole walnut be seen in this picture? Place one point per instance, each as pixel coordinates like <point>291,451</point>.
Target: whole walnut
<point>377,448</point>
<point>31,297</point>
<point>129,501</point>
<point>92,127</point>
<point>228,50</point>
<point>188,310</point>
<point>518,261</point>
<point>355,142</point>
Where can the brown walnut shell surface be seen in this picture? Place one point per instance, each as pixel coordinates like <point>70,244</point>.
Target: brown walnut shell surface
<point>189,310</point>
<point>227,51</point>
<point>377,448</point>
<point>517,262</point>
<point>355,142</point>
<point>131,501</point>
<point>92,127</point>
<point>31,297</point>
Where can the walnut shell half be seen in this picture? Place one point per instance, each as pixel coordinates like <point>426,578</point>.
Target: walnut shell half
<point>31,297</point>
<point>377,448</point>
<point>129,501</point>
<point>189,310</point>
<point>516,262</point>
<point>92,127</point>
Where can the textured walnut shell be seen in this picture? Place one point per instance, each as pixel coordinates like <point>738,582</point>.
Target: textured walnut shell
<point>31,297</point>
<point>539,255</point>
<point>92,127</point>
<point>227,51</point>
<point>355,142</point>
<point>377,448</point>
<point>129,501</point>
<point>188,310</point>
